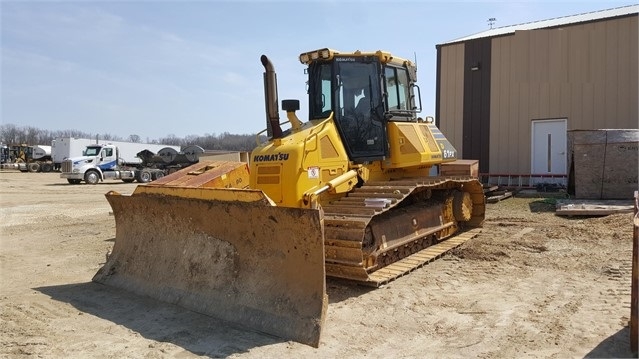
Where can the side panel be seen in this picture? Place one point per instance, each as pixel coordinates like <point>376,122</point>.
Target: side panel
<point>303,161</point>
<point>249,263</point>
<point>410,146</point>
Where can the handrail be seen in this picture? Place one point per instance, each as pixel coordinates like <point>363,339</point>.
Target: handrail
<point>304,151</point>
<point>310,198</point>
<point>257,137</point>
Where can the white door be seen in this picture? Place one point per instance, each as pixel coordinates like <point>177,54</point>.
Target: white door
<point>549,149</point>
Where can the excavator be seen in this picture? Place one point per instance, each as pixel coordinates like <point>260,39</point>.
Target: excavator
<point>352,193</point>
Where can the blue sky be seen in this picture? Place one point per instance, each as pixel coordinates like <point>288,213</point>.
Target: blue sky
<point>162,68</point>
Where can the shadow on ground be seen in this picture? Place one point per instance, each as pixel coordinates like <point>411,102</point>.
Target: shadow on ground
<point>158,321</point>
<point>543,205</point>
<point>615,346</point>
<point>339,290</point>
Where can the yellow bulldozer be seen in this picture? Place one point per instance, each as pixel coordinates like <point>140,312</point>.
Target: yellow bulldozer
<point>352,193</point>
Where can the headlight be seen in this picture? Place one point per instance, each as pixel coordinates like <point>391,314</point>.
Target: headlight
<point>325,54</point>
<point>310,56</point>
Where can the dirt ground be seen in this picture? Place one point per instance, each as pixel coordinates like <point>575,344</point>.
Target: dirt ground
<point>532,284</point>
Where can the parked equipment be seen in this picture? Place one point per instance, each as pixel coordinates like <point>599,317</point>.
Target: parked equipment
<point>347,194</point>
<point>38,159</point>
<point>4,154</point>
<point>108,161</point>
<point>15,156</point>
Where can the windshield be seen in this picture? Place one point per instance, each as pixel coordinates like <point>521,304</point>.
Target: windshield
<point>344,86</point>
<point>92,151</point>
<point>358,87</point>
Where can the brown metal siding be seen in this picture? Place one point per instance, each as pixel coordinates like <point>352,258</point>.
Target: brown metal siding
<point>476,121</point>
<point>586,73</point>
<point>450,90</point>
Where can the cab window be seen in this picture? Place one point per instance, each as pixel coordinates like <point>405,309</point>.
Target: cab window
<point>320,93</point>
<point>397,88</point>
<point>92,151</point>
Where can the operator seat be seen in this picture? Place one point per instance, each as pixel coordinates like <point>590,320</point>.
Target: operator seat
<point>363,106</point>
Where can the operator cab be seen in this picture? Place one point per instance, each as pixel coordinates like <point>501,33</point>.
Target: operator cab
<point>363,91</point>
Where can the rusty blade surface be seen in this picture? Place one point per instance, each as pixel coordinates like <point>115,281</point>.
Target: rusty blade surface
<point>252,264</point>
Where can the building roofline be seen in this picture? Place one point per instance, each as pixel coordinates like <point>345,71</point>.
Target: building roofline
<point>554,22</point>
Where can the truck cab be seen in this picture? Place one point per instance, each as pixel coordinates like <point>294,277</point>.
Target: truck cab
<point>106,156</point>
<point>99,162</point>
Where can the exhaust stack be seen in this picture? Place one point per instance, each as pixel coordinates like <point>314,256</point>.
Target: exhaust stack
<point>273,128</point>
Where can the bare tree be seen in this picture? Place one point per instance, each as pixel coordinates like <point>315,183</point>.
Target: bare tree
<point>32,136</point>
<point>11,134</point>
<point>171,140</point>
<point>110,137</point>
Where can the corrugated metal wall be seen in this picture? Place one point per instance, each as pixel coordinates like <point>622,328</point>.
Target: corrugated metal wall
<point>450,109</point>
<point>587,73</point>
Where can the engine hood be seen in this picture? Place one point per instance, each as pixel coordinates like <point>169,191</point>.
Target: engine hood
<point>81,159</point>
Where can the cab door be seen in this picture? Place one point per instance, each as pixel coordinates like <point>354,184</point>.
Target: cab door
<point>359,116</point>
<point>108,159</point>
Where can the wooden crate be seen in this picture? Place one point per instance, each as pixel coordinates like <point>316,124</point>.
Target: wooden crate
<point>460,168</point>
<point>604,162</point>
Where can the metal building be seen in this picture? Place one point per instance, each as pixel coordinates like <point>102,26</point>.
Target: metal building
<point>508,96</point>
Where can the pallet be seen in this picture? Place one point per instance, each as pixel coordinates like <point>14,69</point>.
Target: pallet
<point>488,189</point>
<point>496,196</point>
<point>582,207</point>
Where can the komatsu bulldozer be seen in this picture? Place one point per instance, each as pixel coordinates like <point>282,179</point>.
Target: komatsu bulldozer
<point>351,193</point>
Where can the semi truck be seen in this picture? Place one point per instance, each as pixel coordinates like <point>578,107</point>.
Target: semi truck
<point>127,162</point>
<point>45,158</point>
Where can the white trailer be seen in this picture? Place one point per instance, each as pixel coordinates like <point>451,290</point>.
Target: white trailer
<point>67,147</point>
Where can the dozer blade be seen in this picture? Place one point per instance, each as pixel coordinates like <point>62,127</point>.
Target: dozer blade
<point>238,258</point>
